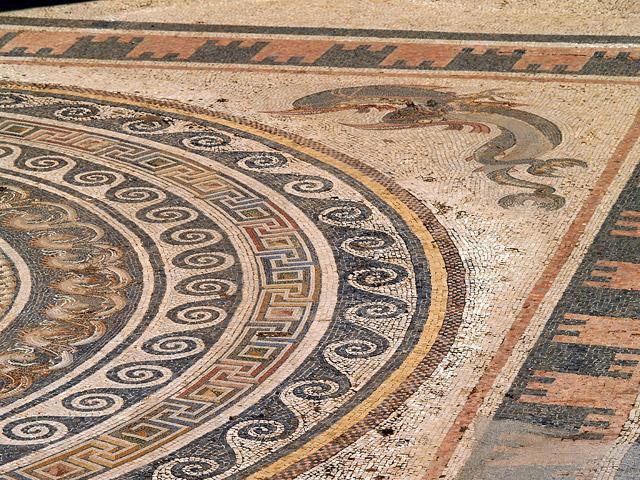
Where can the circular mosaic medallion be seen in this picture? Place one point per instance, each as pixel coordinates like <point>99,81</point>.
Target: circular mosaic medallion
<point>201,297</point>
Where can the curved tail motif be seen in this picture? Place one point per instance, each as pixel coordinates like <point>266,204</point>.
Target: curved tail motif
<point>524,137</point>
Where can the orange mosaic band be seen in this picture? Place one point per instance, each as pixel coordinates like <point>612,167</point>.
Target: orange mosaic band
<point>267,46</point>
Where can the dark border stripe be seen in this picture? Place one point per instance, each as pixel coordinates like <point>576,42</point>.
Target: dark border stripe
<point>313,31</point>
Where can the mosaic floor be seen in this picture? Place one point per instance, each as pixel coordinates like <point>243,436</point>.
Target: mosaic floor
<point>263,243</point>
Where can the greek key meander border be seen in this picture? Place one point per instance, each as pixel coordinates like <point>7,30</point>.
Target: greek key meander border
<point>449,298</point>
<point>196,192</point>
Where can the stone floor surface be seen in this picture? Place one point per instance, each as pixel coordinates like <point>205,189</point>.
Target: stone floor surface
<point>359,240</point>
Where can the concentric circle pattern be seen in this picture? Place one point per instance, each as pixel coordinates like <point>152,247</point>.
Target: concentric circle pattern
<point>184,295</point>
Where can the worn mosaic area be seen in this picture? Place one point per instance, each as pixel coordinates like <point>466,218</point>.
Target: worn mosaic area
<point>285,252</point>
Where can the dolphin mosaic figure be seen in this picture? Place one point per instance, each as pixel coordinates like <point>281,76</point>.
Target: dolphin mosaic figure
<point>523,139</point>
